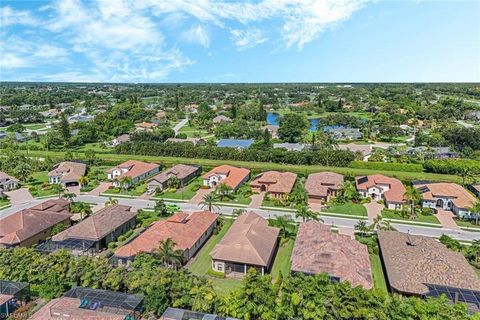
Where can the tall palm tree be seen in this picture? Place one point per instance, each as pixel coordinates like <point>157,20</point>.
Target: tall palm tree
<point>111,201</point>
<point>380,224</point>
<point>307,214</point>
<point>69,196</point>
<point>413,196</point>
<point>362,227</point>
<point>58,189</point>
<point>23,171</point>
<point>475,210</point>
<point>209,201</point>
<point>125,182</point>
<point>285,224</point>
<point>168,255</point>
<point>83,181</point>
<point>84,209</point>
<point>225,192</point>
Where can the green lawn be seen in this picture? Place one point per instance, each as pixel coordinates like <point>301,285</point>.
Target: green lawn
<point>193,132</point>
<point>259,166</point>
<point>349,208</point>
<point>282,259</point>
<point>186,193</point>
<point>136,191</point>
<point>202,262</point>
<point>38,185</point>
<point>467,223</point>
<point>97,147</point>
<point>420,217</point>
<point>4,202</point>
<point>377,272</point>
<point>35,126</point>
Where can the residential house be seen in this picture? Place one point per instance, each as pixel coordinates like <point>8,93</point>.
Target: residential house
<point>221,119</point>
<point>194,141</point>
<point>182,314</point>
<point>182,172</point>
<point>161,115</point>
<point>133,169</point>
<point>120,139</point>
<point>289,146</point>
<point>322,186</point>
<point>50,113</point>
<point>7,182</point>
<point>189,231</point>
<point>422,266</point>
<point>13,295</point>
<point>94,233</point>
<point>319,250</point>
<point>145,126</point>
<point>80,118</point>
<point>365,150</point>
<point>273,129</point>
<point>379,187</point>
<point>92,304</point>
<point>235,143</point>
<point>432,152</point>
<point>226,174</point>
<point>447,196</point>
<point>249,243</point>
<point>342,133</point>
<point>276,184</point>
<point>27,227</point>
<point>67,173</point>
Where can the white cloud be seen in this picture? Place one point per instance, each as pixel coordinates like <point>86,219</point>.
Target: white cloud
<point>9,16</point>
<point>10,60</point>
<point>198,35</point>
<point>246,39</point>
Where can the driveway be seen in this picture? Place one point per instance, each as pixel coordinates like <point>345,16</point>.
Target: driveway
<point>198,197</point>
<point>257,200</point>
<point>315,207</point>
<point>74,190</point>
<point>102,187</point>
<point>19,196</point>
<point>373,209</point>
<point>446,219</point>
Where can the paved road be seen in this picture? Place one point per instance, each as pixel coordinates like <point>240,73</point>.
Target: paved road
<point>179,125</point>
<point>336,221</point>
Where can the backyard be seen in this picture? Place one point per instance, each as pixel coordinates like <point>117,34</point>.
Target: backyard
<point>202,263</point>
<point>281,263</point>
<point>375,262</point>
<point>38,185</point>
<point>348,208</point>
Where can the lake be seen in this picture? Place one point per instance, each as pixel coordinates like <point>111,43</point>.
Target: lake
<point>272,119</point>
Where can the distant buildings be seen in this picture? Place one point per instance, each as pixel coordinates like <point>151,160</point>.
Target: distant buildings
<point>422,266</point>
<point>289,146</point>
<point>189,231</point>
<point>432,152</point>
<point>30,226</point>
<point>7,182</point>
<point>273,129</point>
<point>317,249</point>
<point>276,184</point>
<point>322,186</point>
<point>365,150</point>
<point>379,187</point>
<point>235,143</point>
<point>120,139</point>
<point>221,119</point>
<point>183,173</point>
<point>145,126</point>
<point>133,169</point>
<point>249,243</point>
<point>67,173</point>
<point>231,176</point>
<point>342,133</point>
<point>447,196</point>
<point>194,141</point>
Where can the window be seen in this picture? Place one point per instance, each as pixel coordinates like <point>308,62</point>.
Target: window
<point>219,267</point>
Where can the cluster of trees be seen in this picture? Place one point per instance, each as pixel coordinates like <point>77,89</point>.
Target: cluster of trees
<point>289,297</point>
<point>465,168</point>
<point>339,158</point>
<point>470,252</point>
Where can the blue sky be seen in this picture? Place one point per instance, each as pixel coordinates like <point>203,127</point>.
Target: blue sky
<point>240,41</point>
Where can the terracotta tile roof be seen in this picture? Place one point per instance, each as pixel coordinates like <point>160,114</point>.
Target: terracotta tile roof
<point>397,190</point>
<point>461,197</point>
<point>27,223</point>
<point>319,183</point>
<point>234,175</point>
<point>181,171</point>
<point>135,168</point>
<point>4,176</point>
<point>317,249</point>
<point>68,308</point>
<point>5,298</point>
<point>184,229</point>
<point>413,261</point>
<point>146,125</point>
<point>275,181</point>
<point>98,225</point>
<point>68,170</point>
<point>249,240</point>
<point>55,205</point>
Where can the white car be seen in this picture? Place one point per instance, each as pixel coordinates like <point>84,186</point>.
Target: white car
<point>150,191</point>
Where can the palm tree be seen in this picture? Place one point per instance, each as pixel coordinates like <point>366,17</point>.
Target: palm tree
<point>83,181</point>
<point>306,214</point>
<point>362,227</point>
<point>23,171</point>
<point>168,256</point>
<point>69,196</point>
<point>238,212</point>
<point>413,196</point>
<point>347,192</point>
<point>285,224</point>
<point>475,210</point>
<point>58,188</point>
<point>209,201</point>
<point>224,191</point>
<point>84,209</point>
<point>125,182</point>
<point>173,182</point>
<point>380,224</point>
<point>111,201</point>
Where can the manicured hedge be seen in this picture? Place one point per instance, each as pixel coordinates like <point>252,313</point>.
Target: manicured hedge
<point>452,166</point>
<point>387,166</point>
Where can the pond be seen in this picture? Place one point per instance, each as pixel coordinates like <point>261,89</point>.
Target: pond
<point>272,119</point>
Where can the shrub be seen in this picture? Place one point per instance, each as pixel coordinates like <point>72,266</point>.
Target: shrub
<point>121,238</point>
<point>215,274</point>
<point>112,245</point>
<point>196,187</point>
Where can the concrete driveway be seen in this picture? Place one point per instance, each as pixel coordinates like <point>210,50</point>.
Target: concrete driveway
<point>446,219</point>
<point>373,209</point>
<point>315,207</point>
<point>19,196</point>
<point>102,187</point>
<point>198,197</point>
<point>257,200</point>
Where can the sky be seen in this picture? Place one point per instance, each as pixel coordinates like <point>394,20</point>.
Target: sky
<point>193,41</point>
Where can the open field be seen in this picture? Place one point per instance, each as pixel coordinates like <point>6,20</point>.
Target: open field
<point>302,169</point>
